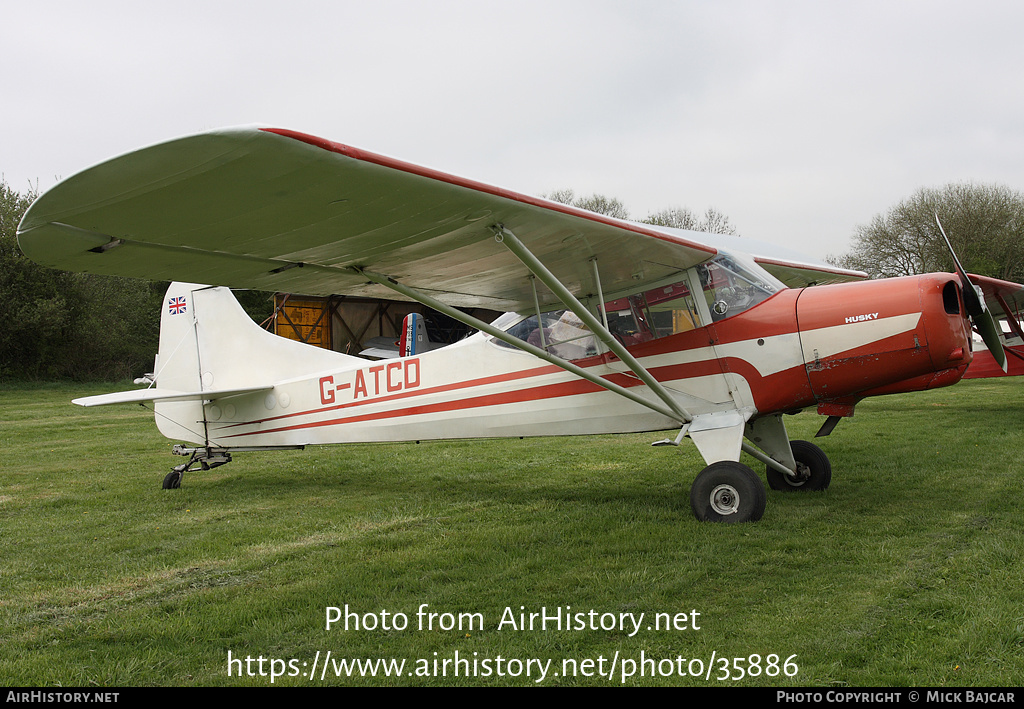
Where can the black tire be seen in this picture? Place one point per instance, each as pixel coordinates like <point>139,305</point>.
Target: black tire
<point>172,481</point>
<point>727,491</point>
<point>812,464</point>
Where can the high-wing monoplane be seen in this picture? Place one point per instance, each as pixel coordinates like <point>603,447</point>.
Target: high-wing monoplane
<point>611,326</point>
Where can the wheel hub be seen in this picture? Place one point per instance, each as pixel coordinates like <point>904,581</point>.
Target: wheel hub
<point>803,474</point>
<point>725,500</point>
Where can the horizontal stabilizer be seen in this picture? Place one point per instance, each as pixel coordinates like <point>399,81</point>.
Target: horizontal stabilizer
<point>380,352</point>
<point>138,396</point>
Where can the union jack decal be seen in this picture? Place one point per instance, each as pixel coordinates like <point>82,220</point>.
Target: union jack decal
<point>176,305</point>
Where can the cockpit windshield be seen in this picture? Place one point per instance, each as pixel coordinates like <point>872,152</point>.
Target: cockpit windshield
<point>730,286</point>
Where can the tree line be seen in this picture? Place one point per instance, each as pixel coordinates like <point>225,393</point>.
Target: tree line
<point>61,325</point>
<point>77,326</point>
<point>984,222</point>
<point>711,222</point>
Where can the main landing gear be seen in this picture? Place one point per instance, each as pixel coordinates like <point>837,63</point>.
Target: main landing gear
<point>728,491</point>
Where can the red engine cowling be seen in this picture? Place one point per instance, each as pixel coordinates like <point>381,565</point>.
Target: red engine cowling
<point>883,337</point>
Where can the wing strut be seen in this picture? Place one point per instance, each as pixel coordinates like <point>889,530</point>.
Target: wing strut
<point>516,342</point>
<point>600,294</point>
<point>536,306</point>
<point>513,244</point>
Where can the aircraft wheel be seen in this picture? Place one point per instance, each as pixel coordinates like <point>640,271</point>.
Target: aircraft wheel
<point>172,481</point>
<point>728,491</point>
<point>812,464</point>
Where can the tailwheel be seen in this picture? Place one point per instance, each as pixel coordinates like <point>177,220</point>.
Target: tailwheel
<point>814,471</point>
<point>728,491</point>
<point>198,459</point>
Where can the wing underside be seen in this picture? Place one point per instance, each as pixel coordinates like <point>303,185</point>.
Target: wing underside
<point>1002,298</point>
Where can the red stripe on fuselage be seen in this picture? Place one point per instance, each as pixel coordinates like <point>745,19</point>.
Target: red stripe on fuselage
<point>549,391</point>
<point>483,381</point>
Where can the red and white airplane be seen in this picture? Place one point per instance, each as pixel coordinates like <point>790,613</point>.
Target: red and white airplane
<point>612,326</point>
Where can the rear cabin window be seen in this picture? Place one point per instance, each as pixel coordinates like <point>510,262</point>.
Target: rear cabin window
<point>560,332</point>
<point>638,318</point>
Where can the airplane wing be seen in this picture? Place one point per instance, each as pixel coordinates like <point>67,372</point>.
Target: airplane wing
<point>1002,298</point>
<point>1005,301</point>
<point>283,211</point>
<point>806,272</point>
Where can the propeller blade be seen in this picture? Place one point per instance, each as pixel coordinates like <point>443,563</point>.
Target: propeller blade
<point>989,332</point>
<point>974,302</point>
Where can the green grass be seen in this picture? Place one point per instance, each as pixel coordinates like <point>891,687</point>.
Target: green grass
<point>907,571</point>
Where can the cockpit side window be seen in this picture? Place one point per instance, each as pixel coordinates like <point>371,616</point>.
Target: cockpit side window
<point>629,321</point>
<point>672,309</point>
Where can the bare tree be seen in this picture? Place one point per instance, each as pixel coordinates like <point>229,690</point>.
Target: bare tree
<point>598,203</point>
<point>713,221</point>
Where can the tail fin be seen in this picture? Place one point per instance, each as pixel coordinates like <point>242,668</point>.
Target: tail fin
<point>414,338</point>
<point>209,343</point>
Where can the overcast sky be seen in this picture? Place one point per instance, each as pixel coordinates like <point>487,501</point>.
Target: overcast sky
<point>798,120</point>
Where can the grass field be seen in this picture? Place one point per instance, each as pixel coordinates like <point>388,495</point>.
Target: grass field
<point>909,570</point>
